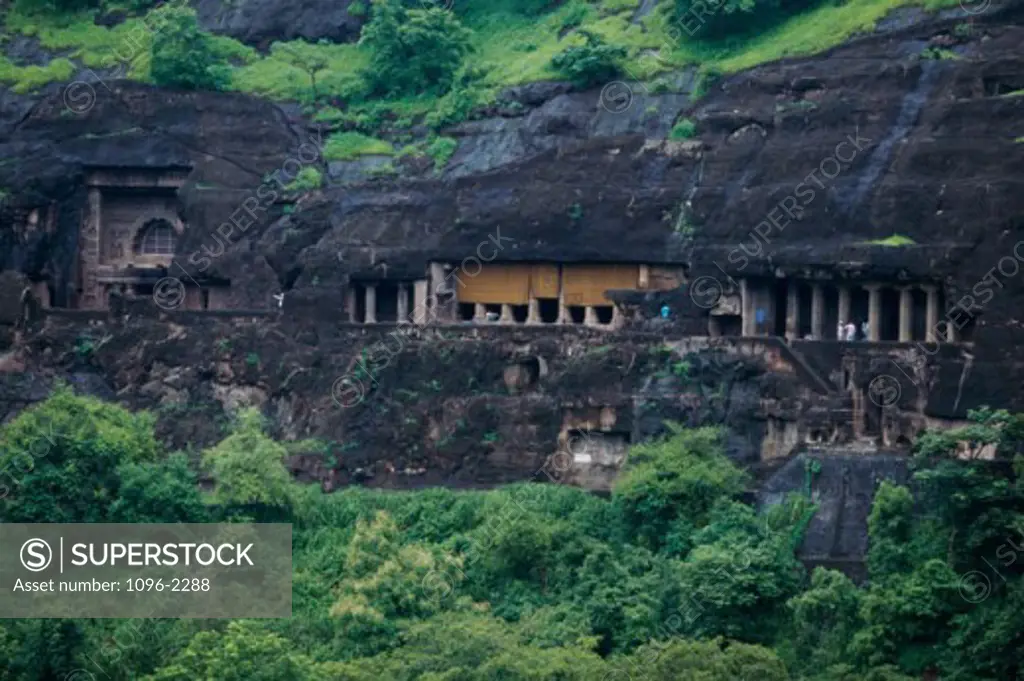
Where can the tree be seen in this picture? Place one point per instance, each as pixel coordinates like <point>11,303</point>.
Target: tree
<point>162,492</point>
<point>309,57</point>
<point>182,55</point>
<point>592,63</point>
<point>248,467</point>
<point>711,660</point>
<point>413,50</point>
<point>63,461</point>
<point>823,620</point>
<point>678,478</point>
<point>737,577</point>
<point>245,651</point>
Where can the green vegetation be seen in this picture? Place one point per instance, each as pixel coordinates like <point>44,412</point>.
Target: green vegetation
<point>733,17</point>
<point>441,149</point>
<point>673,577</point>
<point>592,63</point>
<point>348,146</point>
<point>893,241</point>
<point>683,130</point>
<point>183,56</point>
<point>29,78</point>
<point>308,179</point>
<point>938,53</point>
<point>410,65</point>
<point>412,51</point>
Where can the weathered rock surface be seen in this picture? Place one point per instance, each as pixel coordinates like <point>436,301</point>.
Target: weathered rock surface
<point>930,151</point>
<point>261,22</point>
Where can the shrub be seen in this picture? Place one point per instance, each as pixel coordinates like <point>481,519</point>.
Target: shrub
<point>441,149</point>
<point>183,56</point>
<point>684,130</point>
<point>248,467</point>
<point>308,179</point>
<point>413,50</point>
<point>591,63</point>
<point>347,146</point>
<point>679,478</point>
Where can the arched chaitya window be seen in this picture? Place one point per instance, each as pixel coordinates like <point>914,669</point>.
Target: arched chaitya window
<point>155,238</point>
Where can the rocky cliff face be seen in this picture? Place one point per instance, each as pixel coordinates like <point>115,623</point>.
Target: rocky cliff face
<point>794,169</point>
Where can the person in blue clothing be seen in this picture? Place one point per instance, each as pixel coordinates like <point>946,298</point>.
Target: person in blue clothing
<point>760,317</point>
<point>665,311</point>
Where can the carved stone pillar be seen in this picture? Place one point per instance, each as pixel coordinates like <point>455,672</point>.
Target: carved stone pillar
<point>563,311</point>
<point>792,309</point>
<point>590,316</point>
<point>506,314</point>
<point>350,303</point>
<point>479,313</point>
<point>906,314</point>
<point>89,253</point>
<point>817,311</point>
<point>931,314</point>
<point>533,311</point>
<point>845,305</point>
<point>435,275</point>
<point>371,304</point>
<point>420,292</point>
<point>874,312</point>
<point>403,303</point>
<point>746,309</point>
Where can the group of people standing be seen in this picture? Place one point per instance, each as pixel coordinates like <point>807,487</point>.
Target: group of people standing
<point>848,331</point>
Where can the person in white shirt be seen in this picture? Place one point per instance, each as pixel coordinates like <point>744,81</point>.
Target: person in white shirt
<point>864,329</point>
<point>851,331</point>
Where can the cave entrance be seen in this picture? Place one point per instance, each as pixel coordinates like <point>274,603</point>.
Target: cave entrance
<point>805,293</point>
<point>466,311</point>
<point>858,307</point>
<point>604,314</point>
<point>603,448</point>
<point>577,313</point>
<point>730,324</point>
<point>889,324</point>
<point>387,302</point>
<point>359,293</point>
<point>548,309</point>
<point>781,309</point>
<point>520,313</point>
<point>830,314</point>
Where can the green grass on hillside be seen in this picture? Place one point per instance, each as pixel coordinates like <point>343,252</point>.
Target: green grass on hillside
<point>510,48</point>
<point>348,146</point>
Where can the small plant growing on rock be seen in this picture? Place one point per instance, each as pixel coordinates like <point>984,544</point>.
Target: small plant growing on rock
<point>84,348</point>
<point>592,63</point>
<point>575,212</point>
<point>441,149</point>
<point>706,77</point>
<point>307,180</point>
<point>684,130</point>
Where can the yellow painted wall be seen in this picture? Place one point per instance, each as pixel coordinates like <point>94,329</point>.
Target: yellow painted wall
<point>496,284</point>
<point>586,284</point>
